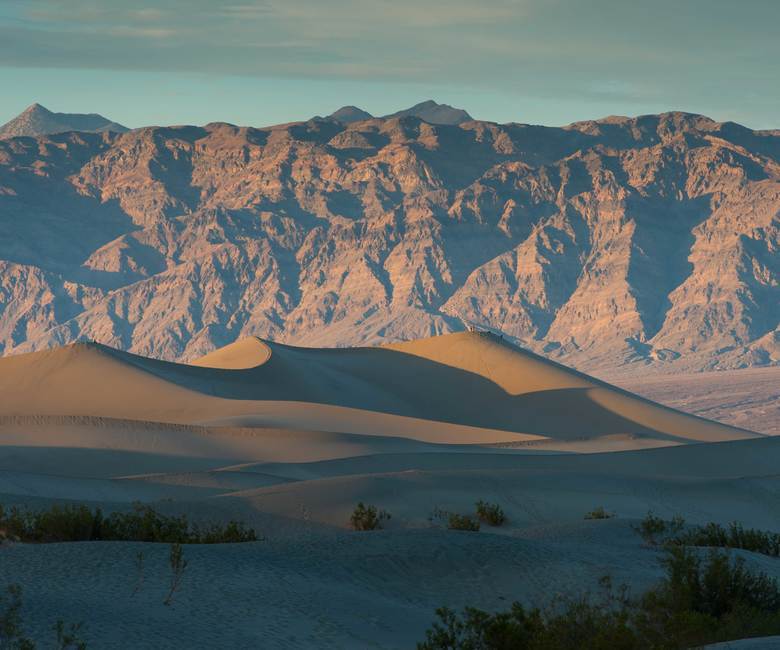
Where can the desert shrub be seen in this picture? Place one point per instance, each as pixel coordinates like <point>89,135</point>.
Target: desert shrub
<point>654,529</point>
<point>674,532</point>
<point>59,523</point>
<point>579,624</point>
<point>699,601</point>
<point>599,513</point>
<point>478,629</point>
<point>438,516</point>
<point>140,566</point>
<point>708,600</point>
<point>68,637</point>
<point>178,565</point>
<point>651,527</point>
<point>11,634</point>
<point>456,521</point>
<point>233,532</point>
<point>367,517</point>
<point>76,523</point>
<point>490,513</point>
<point>733,536</point>
<point>144,524</point>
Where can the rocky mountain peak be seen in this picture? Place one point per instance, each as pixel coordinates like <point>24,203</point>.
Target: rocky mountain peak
<point>435,113</point>
<point>350,114</point>
<point>37,120</point>
<point>36,108</point>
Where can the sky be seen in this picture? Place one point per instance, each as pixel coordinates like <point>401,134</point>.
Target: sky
<point>262,62</point>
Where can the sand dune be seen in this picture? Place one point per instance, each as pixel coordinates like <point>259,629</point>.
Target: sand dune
<point>214,444</point>
<point>243,354</point>
<point>289,439</point>
<point>255,415</point>
<point>509,390</point>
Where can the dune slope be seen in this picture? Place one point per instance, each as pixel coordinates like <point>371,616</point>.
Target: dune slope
<point>474,380</point>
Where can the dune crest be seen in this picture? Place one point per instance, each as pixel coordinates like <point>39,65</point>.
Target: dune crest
<point>468,387</point>
<point>244,353</point>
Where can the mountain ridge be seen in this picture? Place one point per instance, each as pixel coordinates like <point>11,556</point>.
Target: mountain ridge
<point>37,120</point>
<point>349,114</point>
<point>647,241</point>
<point>434,113</point>
<point>428,110</point>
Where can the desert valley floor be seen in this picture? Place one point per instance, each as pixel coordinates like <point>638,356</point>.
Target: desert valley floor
<point>290,439</point>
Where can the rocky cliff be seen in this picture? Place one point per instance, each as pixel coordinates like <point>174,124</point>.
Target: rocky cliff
<point>649,240</point>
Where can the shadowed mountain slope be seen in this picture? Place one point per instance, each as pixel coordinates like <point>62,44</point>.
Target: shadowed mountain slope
<point>349,114</point>
<point>434,113</point>
<point>648,241</point>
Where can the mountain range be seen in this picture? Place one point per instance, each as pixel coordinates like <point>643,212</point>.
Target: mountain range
<point>36,120</point>
<point>647,241</point>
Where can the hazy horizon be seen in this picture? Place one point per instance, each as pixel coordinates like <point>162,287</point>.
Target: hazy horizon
<point>267,62</point>
<point>375,113</point>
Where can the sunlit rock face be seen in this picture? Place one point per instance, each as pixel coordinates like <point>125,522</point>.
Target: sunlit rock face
<point>651,240</point>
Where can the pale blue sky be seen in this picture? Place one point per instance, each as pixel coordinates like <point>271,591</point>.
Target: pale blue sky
<point>262,62</point>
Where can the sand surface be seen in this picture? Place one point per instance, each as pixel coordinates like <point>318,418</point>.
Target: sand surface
<point>290,439</point>
<point>469,379</point>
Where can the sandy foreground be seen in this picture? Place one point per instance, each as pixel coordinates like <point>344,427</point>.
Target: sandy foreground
<point>290,439</point>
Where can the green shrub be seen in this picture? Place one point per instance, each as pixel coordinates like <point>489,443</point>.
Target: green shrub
<point>144,524</point>
<point>580,624</point>
<point>462,522</point>
<point>478,629</point>
<point>674,532</point>
<point>653,529</point>
<point>178,565</point>
<point>735,536</point>
<point>453,520</point>
<point>367,517</point>
<point>699,601</point>
<point>140,565</point>
<point>234,532</point>
<point>583,625</point>
<point>490,513</point>
<point>709,600</point>
<point>71,523</point>
<point>599,513</point>
<point>717,585</point>
<point>12,635</point>
<point>69,638</point>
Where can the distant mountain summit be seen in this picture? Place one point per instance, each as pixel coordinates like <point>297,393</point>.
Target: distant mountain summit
<point>37,120</point>
<point>428,110</point>
<point>349,114</point>
<point>435,113</point>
